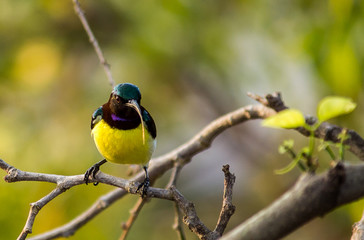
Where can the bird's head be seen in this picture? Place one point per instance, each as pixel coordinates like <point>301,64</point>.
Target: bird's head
<point>126,92</point>
<point>125,100</point>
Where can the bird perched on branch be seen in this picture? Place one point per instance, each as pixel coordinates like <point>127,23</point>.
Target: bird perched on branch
<point>124,132</point>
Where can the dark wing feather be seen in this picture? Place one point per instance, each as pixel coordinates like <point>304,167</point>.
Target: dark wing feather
<point>96,117</point>
<point>147,118</point>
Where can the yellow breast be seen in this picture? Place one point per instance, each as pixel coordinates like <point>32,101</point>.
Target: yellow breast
<point>123,146</point>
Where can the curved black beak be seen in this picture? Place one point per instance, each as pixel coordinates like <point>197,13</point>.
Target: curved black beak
<point>134,104</point>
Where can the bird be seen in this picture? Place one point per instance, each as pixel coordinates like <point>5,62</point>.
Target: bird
<point>124,132</point>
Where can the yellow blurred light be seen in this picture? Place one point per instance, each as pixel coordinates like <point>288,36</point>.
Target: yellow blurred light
<point>343,69</point>
<point>37,63</point>
<point>57,9</point>
<point>341,9</point>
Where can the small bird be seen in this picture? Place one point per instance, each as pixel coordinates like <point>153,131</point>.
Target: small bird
<point>124,132</point>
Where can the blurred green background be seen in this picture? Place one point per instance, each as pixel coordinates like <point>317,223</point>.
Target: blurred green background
<point>193,61</point>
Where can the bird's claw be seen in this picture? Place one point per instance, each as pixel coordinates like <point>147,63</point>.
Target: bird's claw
<point>92,172</point>
<point>143,187</point>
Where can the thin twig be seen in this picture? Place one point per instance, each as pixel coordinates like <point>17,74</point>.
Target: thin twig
<point>174,175</point>
<point>134,212</point>
<point>93,41</point>
<point>228,208</point>
<point>258,98</point>
<point>177,225</point>
<point>34,210</point>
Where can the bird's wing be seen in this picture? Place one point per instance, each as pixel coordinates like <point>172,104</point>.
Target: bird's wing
<point>96,117</point>
<point>147,118</point>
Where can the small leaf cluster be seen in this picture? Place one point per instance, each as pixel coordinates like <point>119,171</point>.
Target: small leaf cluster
<point>328,108</point>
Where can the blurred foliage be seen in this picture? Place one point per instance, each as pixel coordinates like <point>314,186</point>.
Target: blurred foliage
<point>193,61</point>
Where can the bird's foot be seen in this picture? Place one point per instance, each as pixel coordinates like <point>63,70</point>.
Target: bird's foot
<point>91,172</point>
<point>143,187</point>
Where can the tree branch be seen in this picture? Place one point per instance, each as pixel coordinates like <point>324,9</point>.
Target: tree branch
<point>93,41</point>
<point>158,166</point>
<point>35,208</point>
<point>326,131</point>
<point>190,219</point>
<point>177,225</point>
<point>312,196</point>
<point>70,228</point>
<point>316,195</point>
<point>228,208</point>
<point>134,212</point>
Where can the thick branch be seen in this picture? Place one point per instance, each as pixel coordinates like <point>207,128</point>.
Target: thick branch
<point>312,196</point>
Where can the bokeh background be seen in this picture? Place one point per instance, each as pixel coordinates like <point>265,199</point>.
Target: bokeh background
<point>193,61</point>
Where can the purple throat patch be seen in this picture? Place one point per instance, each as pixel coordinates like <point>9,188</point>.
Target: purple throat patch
<point>116,118</point>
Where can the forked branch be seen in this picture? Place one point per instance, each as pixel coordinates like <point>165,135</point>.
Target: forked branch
<point>190,216</point>
<point>158,167</point>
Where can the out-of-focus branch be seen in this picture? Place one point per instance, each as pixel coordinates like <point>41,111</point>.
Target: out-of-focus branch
<point>93,41</point>
<point>358,230</point>
<point>134,212</point>
<point>178,224</point>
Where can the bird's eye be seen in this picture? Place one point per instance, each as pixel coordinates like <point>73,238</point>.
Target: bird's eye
<point>117,98</point>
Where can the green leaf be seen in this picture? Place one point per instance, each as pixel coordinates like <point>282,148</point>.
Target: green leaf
<point>289,118</point>
<point>290,166</point>
<point>334,106</point>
